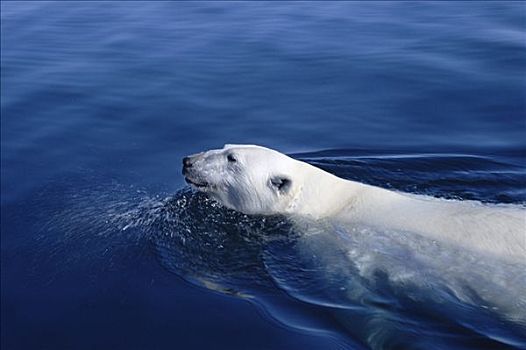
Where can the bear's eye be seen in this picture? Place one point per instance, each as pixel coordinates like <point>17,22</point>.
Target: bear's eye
<point>231,158</point>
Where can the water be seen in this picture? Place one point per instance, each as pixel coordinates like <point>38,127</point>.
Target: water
<point>103,246</point>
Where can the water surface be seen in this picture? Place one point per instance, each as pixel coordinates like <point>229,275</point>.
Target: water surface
<point>103,246</point>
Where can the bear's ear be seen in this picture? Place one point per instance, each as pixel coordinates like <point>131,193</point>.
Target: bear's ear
<point>281,183</point>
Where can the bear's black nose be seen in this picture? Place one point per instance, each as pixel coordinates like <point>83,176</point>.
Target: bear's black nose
<point>187,162</point>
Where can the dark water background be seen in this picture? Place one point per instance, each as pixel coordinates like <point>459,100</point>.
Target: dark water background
<point>101,247</point>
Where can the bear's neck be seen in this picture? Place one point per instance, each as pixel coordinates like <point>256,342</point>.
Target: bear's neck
<point>323,194</point>
<point>499,230</point>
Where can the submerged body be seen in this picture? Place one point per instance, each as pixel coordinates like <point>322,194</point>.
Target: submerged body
<point>258,180</point>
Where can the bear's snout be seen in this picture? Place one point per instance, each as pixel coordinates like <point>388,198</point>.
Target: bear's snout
<point>190,172</point>
<point>187,162</point>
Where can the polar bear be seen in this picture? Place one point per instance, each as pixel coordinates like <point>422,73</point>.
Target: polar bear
<point>257,180</point>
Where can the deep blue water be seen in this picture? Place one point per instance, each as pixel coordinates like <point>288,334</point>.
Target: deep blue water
<point>104,246</point>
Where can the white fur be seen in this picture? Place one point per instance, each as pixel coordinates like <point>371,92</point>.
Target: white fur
<point>250,185</point>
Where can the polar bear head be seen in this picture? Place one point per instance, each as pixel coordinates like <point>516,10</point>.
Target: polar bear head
<point>247,178</point>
